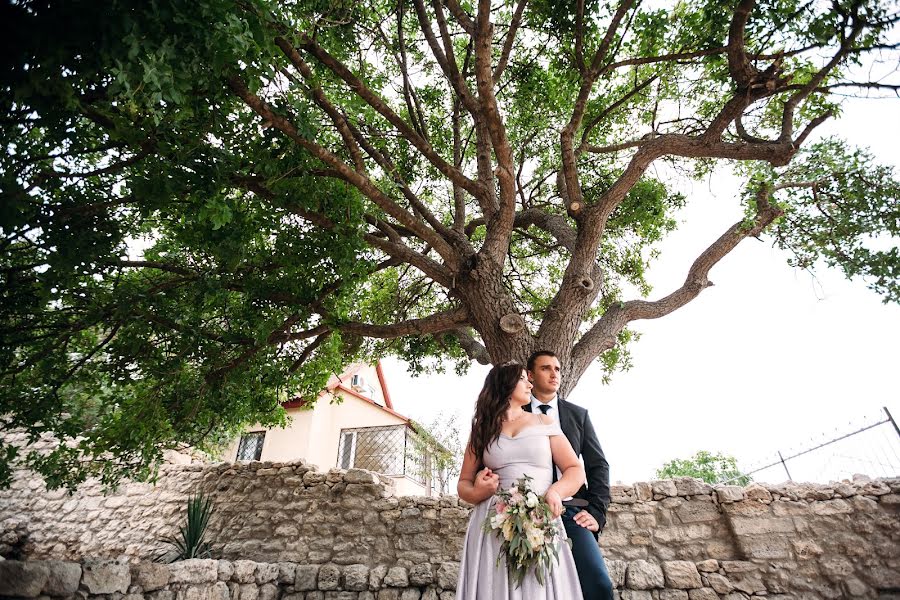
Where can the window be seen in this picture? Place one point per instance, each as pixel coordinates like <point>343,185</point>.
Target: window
<point>378,449</point>
<point>394,450</point>
<point>251,445</point>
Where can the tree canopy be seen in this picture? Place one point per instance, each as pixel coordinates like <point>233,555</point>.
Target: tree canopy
<point>211,205</point>
<point>711,468</point>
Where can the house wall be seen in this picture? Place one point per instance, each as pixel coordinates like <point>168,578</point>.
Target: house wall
<point>348,533</point>
<point>314,434</point>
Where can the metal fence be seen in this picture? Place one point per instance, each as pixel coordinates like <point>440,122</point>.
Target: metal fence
<point>393,450</point>
<point>870,446</point>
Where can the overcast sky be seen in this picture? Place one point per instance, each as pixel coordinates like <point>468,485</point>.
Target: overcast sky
<point>767,360</point>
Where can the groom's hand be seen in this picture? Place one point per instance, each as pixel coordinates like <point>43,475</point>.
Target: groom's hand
<point>587,520</point>
<point>486,483</point>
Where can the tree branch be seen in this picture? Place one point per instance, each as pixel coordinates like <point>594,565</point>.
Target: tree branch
<point>602,335</point>
<point>509,40</point>
<point>360,181</point>
<point>373,100</point>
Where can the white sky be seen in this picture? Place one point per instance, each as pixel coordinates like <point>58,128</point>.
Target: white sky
<point>768,359</point>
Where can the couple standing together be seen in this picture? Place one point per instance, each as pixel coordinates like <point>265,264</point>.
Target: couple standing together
<point>521,427</point>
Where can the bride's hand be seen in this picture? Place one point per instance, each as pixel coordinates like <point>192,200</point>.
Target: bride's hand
<point>486,483</point>
<point>553,498</point>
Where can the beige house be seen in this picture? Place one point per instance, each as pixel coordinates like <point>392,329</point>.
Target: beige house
<point>352,424</point>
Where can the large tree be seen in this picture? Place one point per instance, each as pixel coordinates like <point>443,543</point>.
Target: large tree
<point>210,205</point>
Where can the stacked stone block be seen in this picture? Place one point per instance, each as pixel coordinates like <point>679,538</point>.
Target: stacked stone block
<point>345,532</point>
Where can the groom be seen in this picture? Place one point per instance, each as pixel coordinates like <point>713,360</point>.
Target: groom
<point>585,514</point>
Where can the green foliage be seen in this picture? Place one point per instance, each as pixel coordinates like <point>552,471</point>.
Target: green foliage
<point>172,265</point>
<point>191,539</point>
<point>711,468</point>
<point>847,215</point>
<point>442,438</point>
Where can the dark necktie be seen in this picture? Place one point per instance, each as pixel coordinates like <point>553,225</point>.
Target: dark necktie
<point>544,408</point>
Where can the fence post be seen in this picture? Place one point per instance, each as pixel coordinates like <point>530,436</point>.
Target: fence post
<point>891,419</point>
<point>784,464</point>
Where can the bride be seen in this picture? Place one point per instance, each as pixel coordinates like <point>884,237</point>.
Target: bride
<point>509,443</point>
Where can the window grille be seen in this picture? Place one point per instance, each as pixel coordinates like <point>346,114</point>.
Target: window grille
<point>378,449</point>
<point>251,445</point>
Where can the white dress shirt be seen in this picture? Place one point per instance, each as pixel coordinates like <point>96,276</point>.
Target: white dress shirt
<point>553,413</point>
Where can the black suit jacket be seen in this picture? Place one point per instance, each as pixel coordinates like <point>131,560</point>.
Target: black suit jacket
<point>576,425</point>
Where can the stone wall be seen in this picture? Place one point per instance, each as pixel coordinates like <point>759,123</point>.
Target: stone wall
<point>667,540</point>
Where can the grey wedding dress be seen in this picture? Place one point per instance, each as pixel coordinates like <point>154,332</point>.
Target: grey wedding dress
<point>480,577</point>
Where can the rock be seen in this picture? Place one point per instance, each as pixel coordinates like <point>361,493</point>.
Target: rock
<point>268,591</point>
<point>616,569</point>
<point>360,476</point>
<point>265,573</point>
<point>673,595</point>
<point>161,595</point>
<point>63,578</point>
<point>703,594</point>
<point>248,591</point>
<point>644,575</point>
<point>708,566</point>
<point>643,491</point>
<point>286,571</point>
<point>681,574</point>
<point>396,577</point>
<point>22,579</point>
<point>447,575</point>
<point>664,487</point>
<point>622,494</point>
<point>430,593</point>
<point>730,493</point>
<point>691,486</point>
<point>356,577</point>
<point>635,595</point>
<point>698,510</point>
<point>329,577</point>
<point>738,566</point>
<point>244,571</point>
<point>756,492</point>
<point>105,576</point>
<point>226,570</point>
<point>410,594</point>
<point>305,577</point>
<point>719,583</point>
<point>150,576</point>
<point>376,576</point>
<point>421,574</point>
<point>194,570</point>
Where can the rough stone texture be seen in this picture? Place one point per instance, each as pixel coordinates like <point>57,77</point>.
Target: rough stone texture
<point>396,577</point>
<point>22,579</point>
<point>195,570</point>
<point>105,577</point>
<point>151,576</point>
<point>356,577</point>
<point>329,577</point>
<point>421,574</point>
<point>62,578</point>
<point>644,575</point>
<point>244,571</point>
<point>730,493</point>
<point>345,534</point>
<point>681,574</point>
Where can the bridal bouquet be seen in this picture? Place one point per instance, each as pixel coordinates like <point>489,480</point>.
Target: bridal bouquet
<point>528,535</point>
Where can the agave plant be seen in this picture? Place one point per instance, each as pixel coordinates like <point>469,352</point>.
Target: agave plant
<point>190,541</point>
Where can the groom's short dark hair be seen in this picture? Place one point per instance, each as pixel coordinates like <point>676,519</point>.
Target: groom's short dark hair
<point>529,366</point>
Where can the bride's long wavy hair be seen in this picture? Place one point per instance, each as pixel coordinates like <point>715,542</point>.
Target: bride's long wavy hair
<point>492,404</point>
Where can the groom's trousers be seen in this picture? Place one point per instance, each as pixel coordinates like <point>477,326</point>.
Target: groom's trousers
<point>592,573</point>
